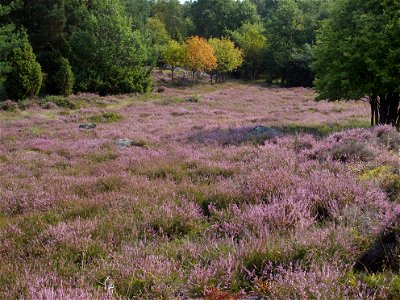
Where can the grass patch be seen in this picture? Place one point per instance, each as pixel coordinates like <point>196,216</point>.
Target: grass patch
<point>36,130</point>
<point>326,129</point>
<point>107,117</point>
<point>109,184</point>
<point>178,171</point>
<point>70,210</point>
<point>99,157</point>
<point>195,98</point>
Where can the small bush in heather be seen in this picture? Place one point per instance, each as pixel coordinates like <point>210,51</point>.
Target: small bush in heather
<point>28,103</point>
<point>99,157</point>
<point>389,136</point>
<point>134,287</point>
<point>77,210</point>
<point>352,151</point>
<point>26,77</point>
<point>8,105</point>
<point>59,101</point>
<point>107,117</point>
<point>195,98</point>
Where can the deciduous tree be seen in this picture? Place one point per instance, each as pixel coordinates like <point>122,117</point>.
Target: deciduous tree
<point>358,54</point>
<point>228,56</point>
<point>253,42</point>
<point>173,15</point>
<point>174,55</point>
<point>213,18</point>
<point>199,55</point>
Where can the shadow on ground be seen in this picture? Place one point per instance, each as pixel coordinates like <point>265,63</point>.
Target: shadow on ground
<point>259,134</point>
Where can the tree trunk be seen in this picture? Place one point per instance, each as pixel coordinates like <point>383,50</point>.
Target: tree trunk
<point>389,109</point>
<point>373,102</point>
<point>383,109</point>
<point>393,110</point>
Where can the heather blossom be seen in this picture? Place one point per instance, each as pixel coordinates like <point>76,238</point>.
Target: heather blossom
<point>200,203</point>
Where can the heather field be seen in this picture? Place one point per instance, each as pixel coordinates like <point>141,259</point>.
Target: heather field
<point>234,191</point>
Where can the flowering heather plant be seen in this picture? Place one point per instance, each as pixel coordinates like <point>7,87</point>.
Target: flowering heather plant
<point>252,192</point>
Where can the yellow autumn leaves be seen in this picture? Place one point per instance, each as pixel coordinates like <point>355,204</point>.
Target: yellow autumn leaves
<point>218,56</point>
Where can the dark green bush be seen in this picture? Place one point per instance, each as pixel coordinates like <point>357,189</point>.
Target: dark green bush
<point>62,81</point>
<point>26,77</point>
<point>107,56</point>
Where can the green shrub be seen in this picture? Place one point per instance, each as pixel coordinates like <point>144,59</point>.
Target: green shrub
<point>26,77</point>
<point>135,287</point>
<point>27,103</point>
<point>60,101</point>
<point>62,81</point>
<point>99,157</point>
<point>118,81</point>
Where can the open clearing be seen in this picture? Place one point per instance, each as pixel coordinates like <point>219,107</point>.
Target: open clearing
<point>224,191</point>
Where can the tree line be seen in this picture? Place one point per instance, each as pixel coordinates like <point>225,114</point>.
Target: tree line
<point>348,49</point>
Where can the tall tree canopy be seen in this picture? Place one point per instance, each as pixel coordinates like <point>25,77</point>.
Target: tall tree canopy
<point>172,13</point>
<point>358,55</point>
<point>213,18</point>
<point>251,39</point>
<point>291,28</point>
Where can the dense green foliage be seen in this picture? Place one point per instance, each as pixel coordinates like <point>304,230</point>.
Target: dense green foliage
<point>358,54</point>
<point>252,40</point>
<point>102,45</point>
<point>229,58</point>
<point>110,47</point>
<point>10,38</point>
<point>212,18</point>
<point>156,33</point>
<point>26,77</point>
<point>175,17</point>
<point>62,80</point>
<point>174,55</point>
<point>106,54</point>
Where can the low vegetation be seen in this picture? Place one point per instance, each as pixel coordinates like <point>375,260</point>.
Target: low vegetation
<point>251,191</point>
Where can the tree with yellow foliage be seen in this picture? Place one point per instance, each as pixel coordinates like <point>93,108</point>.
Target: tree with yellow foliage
<point>199,56</point>
<point>174,55</point>
<point>229,58</point>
